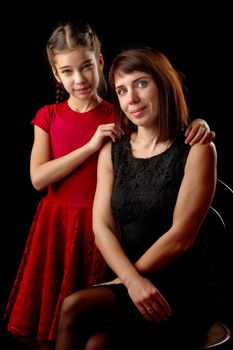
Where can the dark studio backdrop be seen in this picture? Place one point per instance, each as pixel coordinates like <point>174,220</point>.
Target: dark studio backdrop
<point>196,37</point>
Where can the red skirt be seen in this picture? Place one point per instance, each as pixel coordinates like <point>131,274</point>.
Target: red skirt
<point>60,258</point>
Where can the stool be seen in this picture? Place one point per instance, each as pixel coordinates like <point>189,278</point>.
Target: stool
<point>218,334</point>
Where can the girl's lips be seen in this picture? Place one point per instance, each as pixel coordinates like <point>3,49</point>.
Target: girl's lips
<point>82,90</point>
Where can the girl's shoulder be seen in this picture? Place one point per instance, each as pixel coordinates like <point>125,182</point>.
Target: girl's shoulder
<point>46,114</point>
<point>106,108</point>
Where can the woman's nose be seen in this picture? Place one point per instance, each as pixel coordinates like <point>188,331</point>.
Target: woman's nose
<point>133,97</point>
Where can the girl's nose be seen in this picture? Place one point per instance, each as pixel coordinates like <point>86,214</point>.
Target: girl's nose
<point>79,78</point>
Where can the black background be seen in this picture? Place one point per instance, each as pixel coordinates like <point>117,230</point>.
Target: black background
<point>196,37</point>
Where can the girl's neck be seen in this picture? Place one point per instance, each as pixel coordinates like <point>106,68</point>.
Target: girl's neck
<point>83,106</point>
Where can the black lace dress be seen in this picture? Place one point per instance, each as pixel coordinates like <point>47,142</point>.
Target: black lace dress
<point>143,201</point>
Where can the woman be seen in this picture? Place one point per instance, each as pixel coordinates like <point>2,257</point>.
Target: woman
<point>153,194</point>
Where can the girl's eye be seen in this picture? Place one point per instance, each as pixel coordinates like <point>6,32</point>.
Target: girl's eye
<point>88,66</point>
<point>66,72</point>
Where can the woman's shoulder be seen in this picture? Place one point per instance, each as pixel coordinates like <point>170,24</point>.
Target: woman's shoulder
<point>202,156</point>
<point>105,154</point>
<point>203,150</point>
<point>114,148</point>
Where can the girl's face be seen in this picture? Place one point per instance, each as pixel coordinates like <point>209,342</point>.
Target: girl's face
<point>77,70</point>
<point>138,97</point>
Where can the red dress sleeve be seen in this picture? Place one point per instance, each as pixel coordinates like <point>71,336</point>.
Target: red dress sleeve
<point>43,118</point>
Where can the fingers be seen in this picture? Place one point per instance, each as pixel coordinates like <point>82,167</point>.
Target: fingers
<point>110,130</point>
<point>213,135</point>
<point>196,136</point>
<point>187,130</point>
<point>208,137</point>
<point>202,134</point>
<point>150,314</point>
<point>156,310</point>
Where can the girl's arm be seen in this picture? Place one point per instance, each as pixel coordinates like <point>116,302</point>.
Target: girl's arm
<point>45,171</point>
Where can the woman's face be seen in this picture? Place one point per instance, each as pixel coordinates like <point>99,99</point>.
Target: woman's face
<point>138,97</point>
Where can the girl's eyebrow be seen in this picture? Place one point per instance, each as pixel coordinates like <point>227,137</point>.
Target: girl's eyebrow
<point>64,67</point>
<point>83,63</point>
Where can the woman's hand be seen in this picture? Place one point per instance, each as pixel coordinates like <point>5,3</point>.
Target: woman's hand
<point>149,301</point>
<point>115,281</point>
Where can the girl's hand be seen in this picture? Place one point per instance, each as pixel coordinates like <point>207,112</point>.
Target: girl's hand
<point>198,131</point>
<point>102,132</point>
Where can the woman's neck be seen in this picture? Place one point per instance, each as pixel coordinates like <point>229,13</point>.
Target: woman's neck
<point>144,144</point>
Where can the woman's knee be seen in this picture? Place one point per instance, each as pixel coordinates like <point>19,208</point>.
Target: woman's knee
<point>98,341</point>
<point>70,309</point>
<point>82,304</point>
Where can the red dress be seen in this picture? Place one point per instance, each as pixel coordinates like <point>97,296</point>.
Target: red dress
<point>60,256</point>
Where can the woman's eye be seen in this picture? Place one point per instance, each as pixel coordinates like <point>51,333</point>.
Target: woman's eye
<point>121,92</point>
<point>142,83</point>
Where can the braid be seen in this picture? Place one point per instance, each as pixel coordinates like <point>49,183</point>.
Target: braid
<point>61,94</point>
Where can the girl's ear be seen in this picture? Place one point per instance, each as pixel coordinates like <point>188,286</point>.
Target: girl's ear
<point>56,75</point>
<point>101,61</point>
